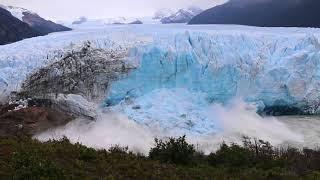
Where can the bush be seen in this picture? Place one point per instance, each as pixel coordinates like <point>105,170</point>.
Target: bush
<point>29,163</point>
<point>117,149</point>
<point>231,156</point>
<point>176,151</point>
<point>88,154</point>
<point>31,159</point>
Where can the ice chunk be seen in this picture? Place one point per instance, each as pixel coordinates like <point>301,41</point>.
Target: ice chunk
<point>172,110</point>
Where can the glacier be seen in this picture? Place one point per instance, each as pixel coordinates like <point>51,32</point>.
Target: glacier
<point>181,71</point>
<point>265,69</point>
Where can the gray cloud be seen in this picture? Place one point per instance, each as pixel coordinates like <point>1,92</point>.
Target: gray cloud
<point>70,9</point>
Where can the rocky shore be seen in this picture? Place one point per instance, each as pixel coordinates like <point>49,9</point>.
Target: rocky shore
<point>16,121</point>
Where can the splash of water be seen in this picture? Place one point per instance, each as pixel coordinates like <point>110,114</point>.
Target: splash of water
<point>234,120</point>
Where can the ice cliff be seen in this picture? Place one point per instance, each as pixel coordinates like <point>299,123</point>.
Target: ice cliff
<point>87,72</point>
<point>179,74</point>
<point>270,71</point>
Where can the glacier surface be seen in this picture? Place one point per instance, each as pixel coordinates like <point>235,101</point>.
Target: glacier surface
<point>182,70</point>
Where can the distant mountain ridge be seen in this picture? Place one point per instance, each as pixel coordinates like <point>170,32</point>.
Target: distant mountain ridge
<point>80,20</point>
<point>36,22</point>
<point>18,23</point>
<point>181,16</point>
<point>162,13</point>
<point>163,16</point>
<point>12,29</point>
<point>266,13</point>
<point>41,25</point>
<point>84,22</point>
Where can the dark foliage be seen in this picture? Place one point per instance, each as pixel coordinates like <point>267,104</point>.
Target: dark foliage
<point>260,154</point>
<point>170,159</point>
<point>176,151</point>
<point>231,156</point>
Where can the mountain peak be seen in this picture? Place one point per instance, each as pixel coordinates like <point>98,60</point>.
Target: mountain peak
<point>182,15</point>
<point>17,12</point>
<point>162,13</point>
<point>12,29</point>
<point>20,23</point>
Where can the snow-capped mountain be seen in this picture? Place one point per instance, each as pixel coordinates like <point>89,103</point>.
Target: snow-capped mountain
<point>17,11</point>
<point>164,16</point>
<point>80,20</point>
<point>12,29</point>
<point>136,22</point>
<point>130,20</point>
<point>85,23</point>
<point>105,21</point>
<point>181,16</point>
<point>36,22</point>
<point>162,13</point>
<point>117,20</point>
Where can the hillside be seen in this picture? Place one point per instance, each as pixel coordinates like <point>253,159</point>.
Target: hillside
<point>39,24</point>
<point>266,13</point>
<point>12,29</point>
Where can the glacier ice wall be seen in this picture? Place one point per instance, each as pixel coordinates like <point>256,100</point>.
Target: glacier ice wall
<point>18,60</point>
<point>267,66</point>
<point>267,70</point>
<point>182,70</point>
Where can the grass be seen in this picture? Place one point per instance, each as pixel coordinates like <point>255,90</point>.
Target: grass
<point>30,159</point>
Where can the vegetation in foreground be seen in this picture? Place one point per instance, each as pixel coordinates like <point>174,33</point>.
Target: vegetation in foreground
<point>168,159</point>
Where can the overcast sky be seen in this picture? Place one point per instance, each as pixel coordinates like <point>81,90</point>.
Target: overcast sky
<point>71,9</point>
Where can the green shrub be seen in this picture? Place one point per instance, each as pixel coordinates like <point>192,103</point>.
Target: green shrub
<point>170,159</point>
<point>231,156</point>
<point>31,164</point>
<point>176,151</point>
<point>88,154</point>
<point>117,149</point>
